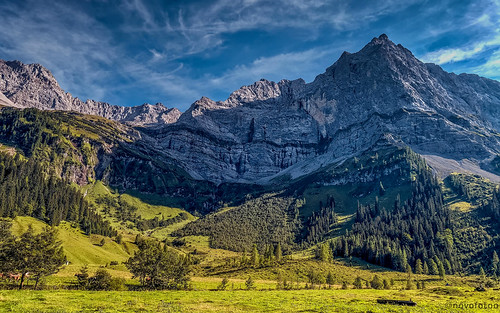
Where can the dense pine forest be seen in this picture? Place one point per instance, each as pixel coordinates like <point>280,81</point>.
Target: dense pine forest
<point>27,189</point>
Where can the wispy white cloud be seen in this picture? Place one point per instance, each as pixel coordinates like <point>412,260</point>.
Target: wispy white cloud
<point>491,68</point>
<point>484,18</point>
<point>286,65</point>
<point>444,56</point>
<point>199,27</point>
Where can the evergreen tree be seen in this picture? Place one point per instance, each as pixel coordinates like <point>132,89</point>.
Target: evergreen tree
<point>440,266</point>
<point>418,267</point>
<point>329,279</point>
<point>494,262</point>
<point>278,254</point>
<point>82,277</point>
<point>433,268</point>
<point>325,253</point>
<point>482,274</point>
<point>426,268</point>
<point>376,283</point>
<point>255,258</point>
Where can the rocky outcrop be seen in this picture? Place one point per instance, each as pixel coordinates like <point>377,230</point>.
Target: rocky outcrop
<point>381,93</point>
<point>33,86</point>
<point>4,101</point>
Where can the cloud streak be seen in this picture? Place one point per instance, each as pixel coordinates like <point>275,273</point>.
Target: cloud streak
<point>444,56</point>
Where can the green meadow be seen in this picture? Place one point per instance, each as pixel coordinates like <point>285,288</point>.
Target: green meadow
<point>329,300</point>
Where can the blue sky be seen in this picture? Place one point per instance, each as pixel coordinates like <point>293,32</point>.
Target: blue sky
<point>136,51</point>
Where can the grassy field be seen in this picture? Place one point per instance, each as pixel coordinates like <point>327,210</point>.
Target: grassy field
<point>326,300</point>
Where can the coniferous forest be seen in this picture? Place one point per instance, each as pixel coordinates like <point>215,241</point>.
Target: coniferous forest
<point>27,189</point>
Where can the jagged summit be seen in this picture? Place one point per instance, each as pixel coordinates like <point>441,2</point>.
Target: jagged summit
<point>381,93</point>
<point>32,85</point>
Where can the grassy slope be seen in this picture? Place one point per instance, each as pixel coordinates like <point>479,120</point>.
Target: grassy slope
<point>81,249</point>
<point>143,209</point>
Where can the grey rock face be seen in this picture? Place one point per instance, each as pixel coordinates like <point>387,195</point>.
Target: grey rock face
<point>33,86</point>
<point>381,93</point>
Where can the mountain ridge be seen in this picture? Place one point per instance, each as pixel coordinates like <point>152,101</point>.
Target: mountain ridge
<point>32,85</point>
<point>380,94</point>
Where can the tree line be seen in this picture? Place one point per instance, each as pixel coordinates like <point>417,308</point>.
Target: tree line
<point>27,189</point>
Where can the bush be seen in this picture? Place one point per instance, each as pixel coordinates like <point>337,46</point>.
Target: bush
<point>100,281</point>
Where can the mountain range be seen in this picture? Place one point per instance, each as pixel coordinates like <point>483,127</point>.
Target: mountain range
<point>381,95</point>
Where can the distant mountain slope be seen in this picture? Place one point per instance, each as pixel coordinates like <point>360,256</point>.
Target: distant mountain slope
<point>380,94</point>
<point>33,86</point>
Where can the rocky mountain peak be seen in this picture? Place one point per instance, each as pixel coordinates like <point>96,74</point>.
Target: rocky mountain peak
<point>381,93</point>
<point>32,85</point>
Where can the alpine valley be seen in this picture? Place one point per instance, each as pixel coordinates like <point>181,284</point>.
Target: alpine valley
<point>382,164</point>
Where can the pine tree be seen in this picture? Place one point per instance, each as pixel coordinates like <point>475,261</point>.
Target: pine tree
<point>325,253</point>
<point>329,279</point>
<point>433,268</point>
<point>426,268</point>
<point>494,262</point>
<point>482,274</point>
<point>278,253</point>
<point>82,277</point>
<point>440,266</point>
<point>376,283</point>
<point>255,258</point>
<point>418,267</point>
